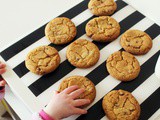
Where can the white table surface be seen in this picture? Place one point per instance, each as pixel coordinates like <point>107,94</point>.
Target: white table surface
<point>19,18</point>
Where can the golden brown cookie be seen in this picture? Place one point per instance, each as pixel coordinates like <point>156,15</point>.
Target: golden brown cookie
<point>82,82</point>
<point>123,66</point>
<point>136,42</point>
<point>102,7</point>
<point>82,53</point>
<point>121,105</point>
<point>103,29</point>
<point>42,60</point>
<point>60,30</point>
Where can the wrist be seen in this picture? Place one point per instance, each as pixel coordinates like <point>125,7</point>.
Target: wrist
<point>52,113</point>
<point>45,116</point>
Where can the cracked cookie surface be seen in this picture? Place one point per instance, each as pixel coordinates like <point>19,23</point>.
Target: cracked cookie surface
<point>42,60</point>
<point>121,105</point>
<point>60,30</point>
<point>82,82</point>
<point>103,29</point>
<point>83,53</point>
<point>123,66</point>
<point>102,7</point>
<point>136,42</point>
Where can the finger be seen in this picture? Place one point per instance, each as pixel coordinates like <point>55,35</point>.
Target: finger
<point>2,65</point>
<point>75,94</point>
<point>55,92</point>
<point>2,71</point>
<point>79,111</point>
<point>70,89</point>
<point>81,102</point>
<point>2,83</point>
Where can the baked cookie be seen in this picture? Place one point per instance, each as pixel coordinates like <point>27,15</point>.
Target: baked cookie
<point>136,42</point>
<point>103,29</point>
<point>60,30</point>
<point>121,105</point>
<point>123,66</point>
<point>102,7</point>
<point>82,53</point>
<point>82,82</point>
<point>42,60</point>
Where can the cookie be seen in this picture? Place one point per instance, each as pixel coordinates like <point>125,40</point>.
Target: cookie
<point>136,42</point>
<point>121,105</point>
<point>103,29</point>
<point>82,53</point>
<point>123,66</point>
<point>82,82</point>
<point>60,30</point>
<point>42,60</point>
<point>102,7</point>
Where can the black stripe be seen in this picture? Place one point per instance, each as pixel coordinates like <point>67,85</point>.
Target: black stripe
<point>47,80</point>
<point>38,86</point>
<point>150,105</point>
<point>39,33</point>
<point>154,31</point>
<point>128,86</point>
<point>21,70</point>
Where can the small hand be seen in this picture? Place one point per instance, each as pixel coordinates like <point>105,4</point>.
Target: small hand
<point>66,103</point>
<point>2,70</point>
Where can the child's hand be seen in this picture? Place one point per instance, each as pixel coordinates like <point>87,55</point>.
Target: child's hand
<point>65,103</point>
<point>2,70</point>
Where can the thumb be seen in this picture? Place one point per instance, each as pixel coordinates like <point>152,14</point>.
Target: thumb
<point>2,83</point>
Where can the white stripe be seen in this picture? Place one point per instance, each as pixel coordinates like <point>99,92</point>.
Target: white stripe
<point>20,57</point>
<point>80,19</point>
<point>29,78</point>
<point>146,88</point>
<point>105,52</point>
<point>156,115</point>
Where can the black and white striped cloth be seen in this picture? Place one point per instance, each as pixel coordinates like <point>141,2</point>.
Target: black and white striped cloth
<point>30,87</point>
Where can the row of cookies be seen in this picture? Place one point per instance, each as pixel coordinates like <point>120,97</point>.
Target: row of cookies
<point>45,59</point>
<point>62,30</point>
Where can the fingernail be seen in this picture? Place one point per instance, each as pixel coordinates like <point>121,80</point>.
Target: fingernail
<point>83,89</point>
<point>85,112</point>
<point>2,65</point>
<point>2,71</point>
<point>77,86</point>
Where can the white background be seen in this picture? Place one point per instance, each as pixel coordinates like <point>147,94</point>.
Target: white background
<point>21,17</point>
